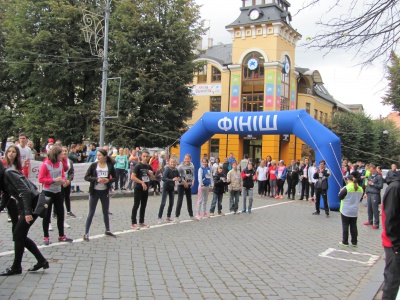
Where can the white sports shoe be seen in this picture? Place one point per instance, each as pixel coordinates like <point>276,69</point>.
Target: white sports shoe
<point>66,225</point>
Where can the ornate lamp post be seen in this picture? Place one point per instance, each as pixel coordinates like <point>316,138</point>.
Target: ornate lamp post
<point>94,33</point>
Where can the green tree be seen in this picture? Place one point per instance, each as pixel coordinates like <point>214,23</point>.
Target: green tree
<point>54,73</point>
<point>392,96</point>
<point>371,141</point>
<point>152,47</point>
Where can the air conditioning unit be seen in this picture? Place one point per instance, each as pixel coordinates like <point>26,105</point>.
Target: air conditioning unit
<point>308,91</point>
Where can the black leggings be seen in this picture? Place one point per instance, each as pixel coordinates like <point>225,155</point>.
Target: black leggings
<point>105,204</point>
<point>57,200</point>
<point>22,241</point>
<point>280,183</point>
<point>188,193</point>
<point>66,192</point>
<point>121,177</point>
<point>262,185</point>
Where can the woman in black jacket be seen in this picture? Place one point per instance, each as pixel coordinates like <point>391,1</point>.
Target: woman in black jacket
<point>100,175</point>
<point>19,187</point>
<point>218,191</point>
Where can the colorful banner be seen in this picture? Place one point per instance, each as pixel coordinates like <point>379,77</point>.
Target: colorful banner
<point>79,173</point>
<point>278,90</point>
<point>207,89</point>
<point>235,90</point>
<point>269,89</point>
<point>293,102</point>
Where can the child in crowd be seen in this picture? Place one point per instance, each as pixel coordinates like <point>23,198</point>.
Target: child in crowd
<point>170,178</point>
<point>157,181</point>
<point>272,178</point>
<point>204,177</point>
<point>248,185</point>
<point>218,191</point>
<point>350,197</point>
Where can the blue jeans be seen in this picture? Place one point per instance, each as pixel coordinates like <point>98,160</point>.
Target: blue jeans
<point>234,200</point>
<point>245,193</point>
<point>373,201</point>
<point>216,197</point>
<point>165,193</point>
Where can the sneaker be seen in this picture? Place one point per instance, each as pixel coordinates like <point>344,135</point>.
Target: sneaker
<point>205,215</point>
<point>143,225</point>
<point>193,218</point>
<point>343,244</point>
<point>159,221</point>
<point>66,225</point>
<point>198,217</point>
<point>64,238</point>
<point>135,227</point>
<point>86,238</point>
<point>276,197</point>
<point>221,214</point>
<point>243,211</point>
<point>50,228</point>
<point>109,233</point>
<point>367,223</point>
<point>211,214</point>
<point>8,219</point>
<point>71,214</point>
<point>46,241</point>
<point>354,245</point>
<point>281,197</point>
<point>375,227</point>
<point>249,211</point>
<point>315,213</point>
<point>176,220</point>
<point>168,220</point>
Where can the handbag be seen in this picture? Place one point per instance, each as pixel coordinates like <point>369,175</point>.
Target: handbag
<point>42,205</point>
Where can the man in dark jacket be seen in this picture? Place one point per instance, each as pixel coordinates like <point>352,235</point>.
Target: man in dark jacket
<point>373,195</point>
<point>391,236</point>
<point>321,187</point>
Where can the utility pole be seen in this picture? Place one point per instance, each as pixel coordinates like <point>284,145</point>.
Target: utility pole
<point>94,33</point>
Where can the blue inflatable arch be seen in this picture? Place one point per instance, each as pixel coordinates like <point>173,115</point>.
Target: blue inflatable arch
<point>298,122</point>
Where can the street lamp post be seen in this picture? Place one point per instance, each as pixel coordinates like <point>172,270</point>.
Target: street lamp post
<point>94,32</point>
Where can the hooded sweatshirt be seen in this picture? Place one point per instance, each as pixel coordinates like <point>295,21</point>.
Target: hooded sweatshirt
<point>391,213</point>
<point>48,173</point>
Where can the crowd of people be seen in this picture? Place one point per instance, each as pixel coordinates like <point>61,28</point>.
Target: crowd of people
<point>139,171</point>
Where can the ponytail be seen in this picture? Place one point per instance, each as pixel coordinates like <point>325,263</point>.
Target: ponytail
<point>355,184</point>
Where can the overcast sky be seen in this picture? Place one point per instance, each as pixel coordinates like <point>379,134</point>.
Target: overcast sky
<point>345,81</point>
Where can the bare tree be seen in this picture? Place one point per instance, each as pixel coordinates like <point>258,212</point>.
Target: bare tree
<point>370,27</point>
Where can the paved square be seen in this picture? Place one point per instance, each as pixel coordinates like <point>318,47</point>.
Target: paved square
<point>272,253</point>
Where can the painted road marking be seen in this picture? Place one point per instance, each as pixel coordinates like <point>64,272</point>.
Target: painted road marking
<point>370,258</point>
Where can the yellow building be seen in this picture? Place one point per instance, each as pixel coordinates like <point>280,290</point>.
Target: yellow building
<point>257,73</point>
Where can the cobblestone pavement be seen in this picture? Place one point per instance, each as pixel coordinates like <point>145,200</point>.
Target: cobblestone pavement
<point>279,251</point>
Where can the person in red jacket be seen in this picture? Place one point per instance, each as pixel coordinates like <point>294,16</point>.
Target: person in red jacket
<point>391,236</point>
<point>52,176</point>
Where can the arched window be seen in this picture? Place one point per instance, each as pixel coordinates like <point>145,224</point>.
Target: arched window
<point>253,82</point>
<point>285,84</point>
<point>216,75</point>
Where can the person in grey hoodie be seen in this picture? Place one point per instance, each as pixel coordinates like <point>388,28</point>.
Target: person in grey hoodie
<point>170,177</point>
<point>373,195</point>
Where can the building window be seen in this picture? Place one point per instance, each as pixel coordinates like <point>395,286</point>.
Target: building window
<point>284,104</point>
<point>214,147</point>
<point>320,116</point>
<point>315,114</point>
<point>202,73</point>
<point>215,103</point>
<point>252,102</point>
<point>216,75</point>
<point>253,82</point>
<point>308,108</point>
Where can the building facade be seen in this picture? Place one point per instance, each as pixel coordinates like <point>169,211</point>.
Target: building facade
<point>257,72</point>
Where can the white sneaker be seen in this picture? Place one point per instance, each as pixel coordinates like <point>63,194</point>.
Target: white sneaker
<point>50,228</point>
<point>159,221</point>
<point>176,220</point>
<point>194,219</point>
<point>66,225</point>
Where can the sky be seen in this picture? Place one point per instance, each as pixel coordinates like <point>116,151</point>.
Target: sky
<point>345,81</point>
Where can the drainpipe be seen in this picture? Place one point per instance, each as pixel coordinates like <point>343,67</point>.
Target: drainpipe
<point>229,102</point>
